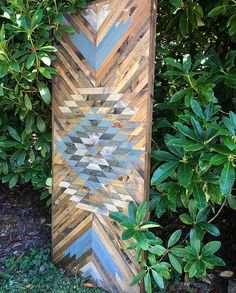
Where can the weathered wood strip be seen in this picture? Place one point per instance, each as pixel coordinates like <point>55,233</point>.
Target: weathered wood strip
<point>102,106</point>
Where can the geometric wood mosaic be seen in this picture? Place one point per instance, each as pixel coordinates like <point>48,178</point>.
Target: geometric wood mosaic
<point>102,111</point>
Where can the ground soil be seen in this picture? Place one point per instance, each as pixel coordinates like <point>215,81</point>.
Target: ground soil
<point>226,222</point>
<point>24,221</point>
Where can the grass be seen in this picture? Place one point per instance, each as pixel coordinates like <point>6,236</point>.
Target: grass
<point>34,272</point>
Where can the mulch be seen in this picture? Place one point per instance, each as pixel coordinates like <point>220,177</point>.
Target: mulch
<point>24,221</point>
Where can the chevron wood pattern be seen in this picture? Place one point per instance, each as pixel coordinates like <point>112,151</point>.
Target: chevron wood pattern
<point>102,105</point>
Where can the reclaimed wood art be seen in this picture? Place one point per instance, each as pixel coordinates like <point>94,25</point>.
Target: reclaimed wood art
<point>101,136</point>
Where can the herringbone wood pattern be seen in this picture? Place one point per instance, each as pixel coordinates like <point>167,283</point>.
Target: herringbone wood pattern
<point>101,132</point>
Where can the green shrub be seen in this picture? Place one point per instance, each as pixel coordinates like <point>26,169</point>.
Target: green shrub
<point>27,32</point>
<point>194,142</point>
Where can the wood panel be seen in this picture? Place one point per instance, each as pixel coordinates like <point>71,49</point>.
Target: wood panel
<point>102,108</point>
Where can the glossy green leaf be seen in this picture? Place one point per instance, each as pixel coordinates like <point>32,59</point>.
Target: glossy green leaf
<point>1,90</point>
<point>177,3</point>
<point>178,95</point>
<point>199,195</point>
<point>221,149</point>
<point>175,263</point>
<point>138,278</point>
<point>232,202</point>
<point>187,63</point>
<point>41,124</point>
<point>178,251</point>
<point>44,92</point>
<point>164,156</point>
<point>127,234</point>
<point>28,103</point>
<point>197,9</point>
<point>217,10</point>
<point>3,69</point>
<point>30,60</point>
<point>184,174</point>
<point>193,270</point>
<point>29,121</point>
<point>44,195</point>
<point>9,143</point>
<point>141,213</point>
<point>186,219</point>
<point>32,155</point>
<point>186,131</point>
<point>13,181</point>
<point>229,125</point>
<point>228,141</point>
<point>186,144</point>
<point>21,158</point>
<point>192,208</point>
<point>183,23</point>
<point>69,29</point>
<point>46,59</point>
<point>158,279</point>
<point>178,151</point>
<point>200,267</point>
<point>197,128</point>
<point>209,110</point>
<point>127,224</point>
<point>161,207</point>
<point>218,159</point>
<point>197,109</point>
<point>211,247</point>
<point>232,116</point>
<point>141,240</point>
<point>148,283</point>
<point>173,62</point>
<point>13,132</point>
<point>227,178</point>
<point>7,178</point>
<point>149,225</point>
<point>163,172</point>
<point>132,211</point>
<point>215,260</point>
<point>157,249</point>
<point>48,49</point>
<point>213,230</point>
<point>45,72</point>
<point>118,217</point>
<point>37,17</point>
<point>174,238</point>
<point>13,65</point>
<point>194,241</point>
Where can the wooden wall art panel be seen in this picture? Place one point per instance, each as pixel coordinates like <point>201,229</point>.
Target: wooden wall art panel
<point>102,105</point>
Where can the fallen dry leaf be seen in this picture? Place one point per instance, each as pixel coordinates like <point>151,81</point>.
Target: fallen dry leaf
<point>227,274</point>
<point>90,285</point>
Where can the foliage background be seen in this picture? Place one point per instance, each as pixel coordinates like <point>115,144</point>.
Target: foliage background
<point>28,29</point>
<point>195,86</point>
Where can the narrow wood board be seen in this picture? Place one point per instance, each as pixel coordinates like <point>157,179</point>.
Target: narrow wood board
<point>102,115</point>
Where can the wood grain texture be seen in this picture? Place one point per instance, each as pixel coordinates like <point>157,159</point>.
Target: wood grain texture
<point>102,113</point>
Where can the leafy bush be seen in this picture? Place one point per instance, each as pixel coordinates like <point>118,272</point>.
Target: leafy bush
<point>194,143</point>
<point>28,29</point>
